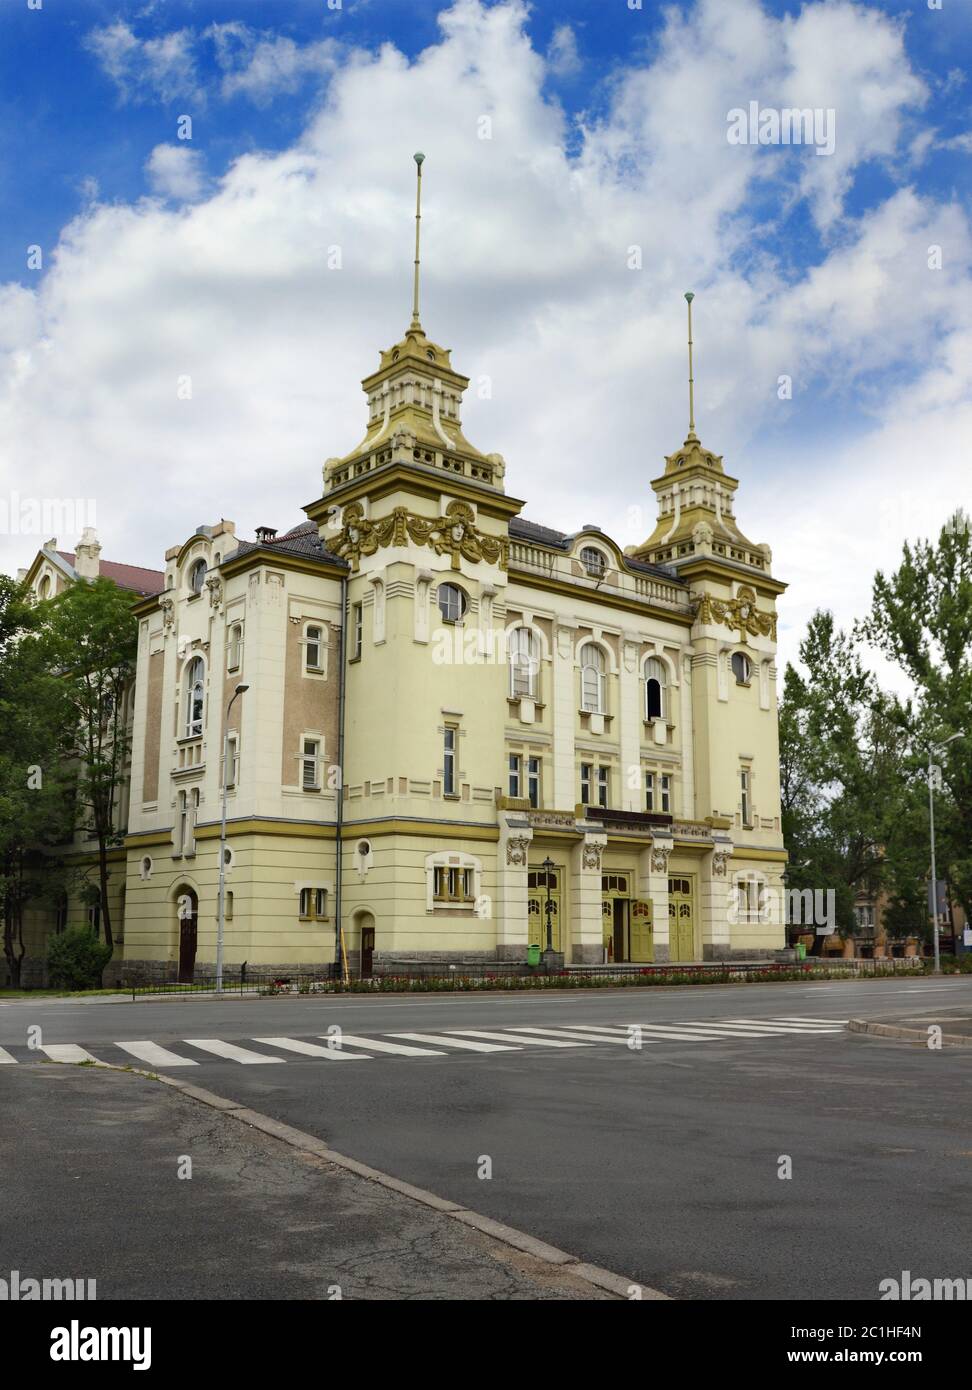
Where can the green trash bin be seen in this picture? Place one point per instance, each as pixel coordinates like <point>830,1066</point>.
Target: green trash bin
<point>533,955</point>
<point>801,951</point>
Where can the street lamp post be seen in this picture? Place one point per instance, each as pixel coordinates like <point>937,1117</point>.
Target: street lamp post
<point>221,909</point>
<point>548,955</point>
<point>935,748</point>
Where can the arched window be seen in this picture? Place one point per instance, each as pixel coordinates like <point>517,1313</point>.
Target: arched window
<point>195,685</point>
<point>655,683</point>
<point>524,663</point>
<point>197,576</point>
<point>44,591</point>
<point>235,647</point>
<point>593,561</point>
<point>451,601</point>
<point>742,668</point>
<point>592,679</point>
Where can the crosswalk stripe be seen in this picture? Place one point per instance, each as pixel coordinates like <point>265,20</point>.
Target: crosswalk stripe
<point>590,1035</point>
<point>308,1049</point>
<point>682,1032</point>
<point>465,1043</point>
<point>814,1020</point>
<point>505,1037</point>
<point>231,1051</point>
<point>780,1027</point>
<point>158,1056</point>
<point>67,1052</point>
<point>5,1056</point>
<point>399,1048</point>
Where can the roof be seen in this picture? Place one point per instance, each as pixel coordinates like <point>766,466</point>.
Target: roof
<point>521,529</point>
<point>301,540</point>
<point>131,577</point>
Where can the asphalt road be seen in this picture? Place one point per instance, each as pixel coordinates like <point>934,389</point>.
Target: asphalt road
<point>661,1163</point>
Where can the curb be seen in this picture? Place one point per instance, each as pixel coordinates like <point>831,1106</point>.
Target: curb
<point>891,1030</point>
<point>603,1279</point>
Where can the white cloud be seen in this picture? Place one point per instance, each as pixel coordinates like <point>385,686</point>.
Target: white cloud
<point>562,53</point>
<point>164,67</point>
<point>261,66</point>
<point>176,171</point>
<point>525,275</point>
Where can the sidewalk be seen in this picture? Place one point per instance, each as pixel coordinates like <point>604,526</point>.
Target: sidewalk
<point>92,1190</point>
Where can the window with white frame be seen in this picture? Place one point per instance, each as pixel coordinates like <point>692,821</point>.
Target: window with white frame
<point>658,792</point>
<point>524,664</point>
<point>232,759</point>
<point>533,782</point>
<point>516,772</point>
<point>310,765</point>
<point>195,696</point>
<point>197,576</point>
<point>742,668</point>
<point>453,885</point>
<point>655,688</point>
<point>313,903</point>
<point>449,760</point>
<point>234,647</point>
<point>357,631</point>
<point>586,780</point>
<point>745,805</point>
<point>94,917</point>
<point>452,602</point>
<point>864,916</point>
<point>593,561</point>
<point>592,679</point>
<point>452,881</point>
<point>314,648</point>
<point>603,785</point>
<point>182,821</point>
<point>187,812</point>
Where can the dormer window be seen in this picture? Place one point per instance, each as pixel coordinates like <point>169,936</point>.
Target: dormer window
<point>593,561</point>
<point>44,588</point>
<point>197,576</point>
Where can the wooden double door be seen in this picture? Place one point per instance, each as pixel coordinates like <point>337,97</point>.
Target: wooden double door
<point>681,918</point>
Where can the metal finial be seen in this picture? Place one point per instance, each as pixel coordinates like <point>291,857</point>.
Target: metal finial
<point>689,296</point>
<point>419,158</point>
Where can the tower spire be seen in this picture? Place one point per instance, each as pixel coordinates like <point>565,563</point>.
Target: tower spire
<point>419,157</point>
<point>689,296</point>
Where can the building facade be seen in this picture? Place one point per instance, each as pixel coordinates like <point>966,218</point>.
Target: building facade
<point>453,716</point>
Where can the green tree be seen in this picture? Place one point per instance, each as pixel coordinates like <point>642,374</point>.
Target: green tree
<point>88,640</point>
<point>921,619</point>
<point>843,770</point>
<point>34,805</point>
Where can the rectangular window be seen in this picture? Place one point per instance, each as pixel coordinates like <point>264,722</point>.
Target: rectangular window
<point>666,793</point>
<point>603,774</point>
<point>515,769</point>
<point>649,791</point>
<point>232,759</point>
<point>449,762</point>
<point>357,630</point>
<point>744,796</point>
<point>234,653</point>
<point>228,905</point>
<point>311,765</point>
<point>182,823</point>
<point>320,902</point>
<point>305,902</point>
<point>533,781</point>
<point>586,775</point>
<point>313,649</point>
<point>453,885</point>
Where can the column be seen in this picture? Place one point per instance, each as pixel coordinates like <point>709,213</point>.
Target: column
<point>586,932</point>
<point>511,887</point>
<point>653,885</point>
<point>564,707</point>
<point>714,894</point>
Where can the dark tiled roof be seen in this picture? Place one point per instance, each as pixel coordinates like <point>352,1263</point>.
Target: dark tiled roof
<point>301,540</point>
<point>129,577</point>
<point>521,529</point>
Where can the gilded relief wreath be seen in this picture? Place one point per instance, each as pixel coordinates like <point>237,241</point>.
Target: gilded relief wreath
<point>454,534</point>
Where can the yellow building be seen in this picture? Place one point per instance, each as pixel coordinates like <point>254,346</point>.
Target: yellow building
<point>521,711</point>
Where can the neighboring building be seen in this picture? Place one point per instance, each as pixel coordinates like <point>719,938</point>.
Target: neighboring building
<point>524,710</point>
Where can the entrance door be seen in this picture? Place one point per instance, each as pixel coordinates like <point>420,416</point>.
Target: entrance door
<point>681,920</point>
<point>620,910</point>
<point>187,907</point>
<point>615,918</point>
<point>642,945</point>
<point>367,951</point>
<point>538,885</point>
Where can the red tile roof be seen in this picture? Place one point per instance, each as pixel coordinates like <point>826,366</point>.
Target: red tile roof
<point>132,577</point>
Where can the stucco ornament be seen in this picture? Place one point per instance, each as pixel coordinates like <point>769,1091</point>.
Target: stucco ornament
<point>454,534</point>
<point>215,586</point>
<point>740,613</point>
<point>168,612</point>
<point>516,850</point>
<point>659,859</point>
<point>591,856</point>
<point>720,859</point>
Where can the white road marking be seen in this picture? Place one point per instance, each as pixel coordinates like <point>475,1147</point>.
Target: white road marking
<point>814,1020</point>
<point>681,1032</point>
<point>399,1048</point>
<point>590,1035</point>
<point>6,1057</point>
<point>505,1037</point>
<point>231,1051</point>
<point>781,1026</point>
<point>68,1052</point>
<point>465,1044</point>
<point>308,1049</point>
<point>158,1056</point>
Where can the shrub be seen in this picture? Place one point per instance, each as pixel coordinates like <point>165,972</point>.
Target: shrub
<point>75,959</point>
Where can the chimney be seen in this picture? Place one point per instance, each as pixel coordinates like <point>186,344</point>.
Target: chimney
<point>86,554</point>
<point>266,534</point>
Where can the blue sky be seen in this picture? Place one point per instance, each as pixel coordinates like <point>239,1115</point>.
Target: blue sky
<point>161,255</point>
